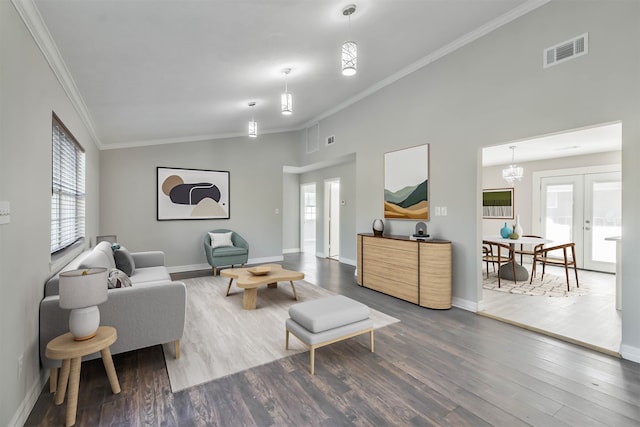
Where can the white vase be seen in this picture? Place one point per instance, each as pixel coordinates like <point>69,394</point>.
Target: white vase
<point>517,229</point>
<point>378,227</point>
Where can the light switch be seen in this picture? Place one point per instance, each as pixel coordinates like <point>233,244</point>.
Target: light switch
<point>437,209</point>
<point>5,212</point>
<point>443,211</point>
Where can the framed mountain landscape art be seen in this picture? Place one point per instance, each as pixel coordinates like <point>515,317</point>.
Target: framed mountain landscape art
<point>192,194</point>
<point>406,183</point>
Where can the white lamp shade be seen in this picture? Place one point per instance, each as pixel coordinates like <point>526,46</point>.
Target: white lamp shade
<point>83,288</point>
<point>349,58</point>
<point>253,129</point>
<point>286,102</point>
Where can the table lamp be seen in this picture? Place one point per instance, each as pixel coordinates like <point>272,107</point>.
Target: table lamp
<point>81,291</point>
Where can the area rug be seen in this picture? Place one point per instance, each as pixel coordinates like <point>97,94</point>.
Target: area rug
<point>552,286</point>
<point>221,338</point>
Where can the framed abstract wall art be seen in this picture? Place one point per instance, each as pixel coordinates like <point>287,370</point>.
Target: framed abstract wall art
<point>497,203</point>
<point>192,194</point>
<point>406,183</point>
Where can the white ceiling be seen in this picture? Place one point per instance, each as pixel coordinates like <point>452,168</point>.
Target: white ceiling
<point>154,71</point>
<point>597,139</point>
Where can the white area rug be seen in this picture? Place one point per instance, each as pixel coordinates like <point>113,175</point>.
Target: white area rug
<point>221,338</point>
<point>552,286</point>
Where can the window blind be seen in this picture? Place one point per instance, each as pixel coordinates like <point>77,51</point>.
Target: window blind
<point>68,188</point>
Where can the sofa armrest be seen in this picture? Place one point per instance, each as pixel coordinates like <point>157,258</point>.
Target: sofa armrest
<point>148,259</point>
<point>145,314</point>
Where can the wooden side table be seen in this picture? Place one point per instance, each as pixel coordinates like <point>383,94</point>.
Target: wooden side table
<point>65,348</point>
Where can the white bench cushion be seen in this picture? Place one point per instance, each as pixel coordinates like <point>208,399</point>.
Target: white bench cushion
<point>328,313</point>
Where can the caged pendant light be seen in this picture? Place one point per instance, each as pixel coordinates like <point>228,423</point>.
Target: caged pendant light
<point>349,48</point>
<point>286,100</point>
<point>513,172</point>
<point>253,125</point>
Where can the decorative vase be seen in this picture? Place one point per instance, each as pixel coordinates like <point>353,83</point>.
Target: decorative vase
<point>517,229</point>
<point>505,231</point>
<point>378,227</point>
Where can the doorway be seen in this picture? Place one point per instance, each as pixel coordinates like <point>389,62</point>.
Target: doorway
<point>567,197</point>
<point>584,208</point>
<point>332,223</point>
<point>308,215</point>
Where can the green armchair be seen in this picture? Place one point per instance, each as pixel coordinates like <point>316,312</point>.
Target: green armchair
<point>225,254</point>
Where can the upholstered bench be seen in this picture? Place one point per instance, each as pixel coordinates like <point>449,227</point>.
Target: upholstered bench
<point>327,320</point>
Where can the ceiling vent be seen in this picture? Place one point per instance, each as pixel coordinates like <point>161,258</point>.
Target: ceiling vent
<point>564,51</point>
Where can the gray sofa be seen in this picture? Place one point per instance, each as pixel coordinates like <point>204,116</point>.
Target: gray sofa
<point>151,311</point>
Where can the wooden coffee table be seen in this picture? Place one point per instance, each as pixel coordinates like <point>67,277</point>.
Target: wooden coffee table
<point>251,282</point>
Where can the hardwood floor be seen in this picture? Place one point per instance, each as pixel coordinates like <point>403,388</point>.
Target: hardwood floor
<point>449,367</point>
<point>590,320</point>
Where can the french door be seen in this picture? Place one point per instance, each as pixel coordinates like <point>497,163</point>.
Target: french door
<point>585,209</point>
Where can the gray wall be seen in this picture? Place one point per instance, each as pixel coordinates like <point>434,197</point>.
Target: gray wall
<point>29,92</point>
<point>491,91</point>
<point>128,197</point>
<point>291,213</point>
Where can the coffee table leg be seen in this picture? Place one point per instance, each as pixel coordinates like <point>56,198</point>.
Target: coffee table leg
<point>63,380</point>
<point>229,287</point>
<point>250,298</point>
<point>111,370</point>
<point>74,384</point>
<point>293,288</point>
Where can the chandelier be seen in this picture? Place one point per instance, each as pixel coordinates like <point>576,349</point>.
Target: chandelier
<point>513,172</point>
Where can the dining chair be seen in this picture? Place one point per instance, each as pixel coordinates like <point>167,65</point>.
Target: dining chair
<point>487,251</point>
<point>503,255</point>
<point>523,251</point>
<point>541,255</point>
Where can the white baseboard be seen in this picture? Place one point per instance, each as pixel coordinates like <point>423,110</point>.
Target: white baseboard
<point>630,353</point>
<point>464,304</point>
<point>291,251</point>
<point>29,401</point>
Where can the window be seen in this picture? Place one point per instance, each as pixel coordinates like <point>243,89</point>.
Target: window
<point>67,191</point>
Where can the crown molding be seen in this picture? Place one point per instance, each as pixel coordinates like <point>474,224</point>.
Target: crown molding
<point>32,19</point>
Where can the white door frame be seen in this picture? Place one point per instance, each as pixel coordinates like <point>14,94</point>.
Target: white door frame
<point>331,205</point>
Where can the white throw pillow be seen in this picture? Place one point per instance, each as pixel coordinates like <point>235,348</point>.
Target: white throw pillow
<point>221,239</point>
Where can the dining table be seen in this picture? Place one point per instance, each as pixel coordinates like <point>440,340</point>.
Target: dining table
<point>506,270</point>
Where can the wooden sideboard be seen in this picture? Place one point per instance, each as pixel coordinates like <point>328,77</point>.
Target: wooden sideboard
<point>415,271</point>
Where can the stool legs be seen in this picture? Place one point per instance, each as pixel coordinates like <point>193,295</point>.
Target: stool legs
<point>63,380</point>
<point>74,384</point>
<point>69,377</point>
<point>111,370</point>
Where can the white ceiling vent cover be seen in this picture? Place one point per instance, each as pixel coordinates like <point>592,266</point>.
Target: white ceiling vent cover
<point>564,51</point>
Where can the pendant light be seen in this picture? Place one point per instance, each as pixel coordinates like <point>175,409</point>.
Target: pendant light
<point>253,125</point>
<point>349,48</point>
<point>513,172</point>
<point>286,101</point>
